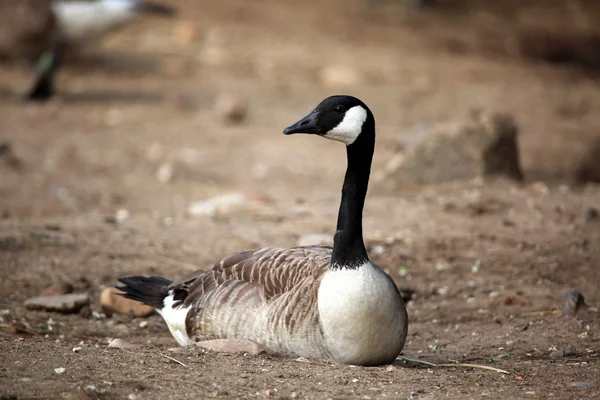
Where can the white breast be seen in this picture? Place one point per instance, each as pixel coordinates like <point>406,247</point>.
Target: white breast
<point>362,315</point>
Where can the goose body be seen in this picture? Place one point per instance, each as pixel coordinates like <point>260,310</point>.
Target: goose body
<point>318,302</point>
<point>44,30</point>
<point>81,22</point>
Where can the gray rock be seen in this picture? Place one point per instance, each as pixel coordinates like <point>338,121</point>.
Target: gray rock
<point>573,302</point>
<point>483,145</point>
<point>561,353</point>
<point>584,384</point>
<point>122,344</point>
<point>67,303</point>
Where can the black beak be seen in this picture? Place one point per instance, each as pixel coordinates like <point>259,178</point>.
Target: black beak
<point>307,124</point>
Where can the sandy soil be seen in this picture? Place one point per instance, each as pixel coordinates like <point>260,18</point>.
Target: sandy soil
<point>490,263</point>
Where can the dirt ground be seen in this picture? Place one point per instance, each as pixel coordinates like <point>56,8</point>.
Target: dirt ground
<point>134,133</point>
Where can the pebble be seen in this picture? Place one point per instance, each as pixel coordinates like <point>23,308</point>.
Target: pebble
<point>561,353</point>
<point>63,288</point>
<point>143,324</point>
<point>63,303</point>
<point>113,303</point>
<point>216,204</point>
<point>230,109</point>
<point>589,214</point>
<point>165,172</point>
<point>311,239</point>
<point>122,344</point>
<point>59,370</point>
<point>584,384</point>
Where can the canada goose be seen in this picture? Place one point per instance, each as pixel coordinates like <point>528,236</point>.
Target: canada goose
<point>44,30</point>
<point>312,301</point>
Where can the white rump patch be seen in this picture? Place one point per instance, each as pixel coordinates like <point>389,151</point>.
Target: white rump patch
<point>348,130</point>
<point>175,319</point>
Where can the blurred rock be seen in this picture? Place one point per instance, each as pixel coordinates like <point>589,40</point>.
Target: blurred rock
<point>216,204</point>
<point>484,145</point>
<point>8,157</point>
<point>113,303</point>
<point>230,109</point>
<point>63,288</point>
<point>339,76</point>
<point>589,214</point>
<point>62,303</point>
<point>164,173</point>
<point>588,168</point>
<point>311,239</point>
<point>573,303</point>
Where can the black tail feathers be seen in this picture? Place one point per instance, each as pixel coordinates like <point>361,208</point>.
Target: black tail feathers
<point>148,290</point>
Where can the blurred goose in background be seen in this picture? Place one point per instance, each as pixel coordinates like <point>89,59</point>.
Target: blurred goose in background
<point>81,22</point>
<point>44,30</point>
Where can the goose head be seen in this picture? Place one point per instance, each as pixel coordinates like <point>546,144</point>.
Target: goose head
<point>340,118</point>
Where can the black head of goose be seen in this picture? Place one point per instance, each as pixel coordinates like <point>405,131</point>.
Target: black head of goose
<point>311,301</point>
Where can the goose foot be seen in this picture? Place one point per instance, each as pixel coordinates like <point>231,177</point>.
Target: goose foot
<point>232,346</point>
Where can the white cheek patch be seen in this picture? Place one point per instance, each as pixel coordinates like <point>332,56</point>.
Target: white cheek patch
<point>348,130</point>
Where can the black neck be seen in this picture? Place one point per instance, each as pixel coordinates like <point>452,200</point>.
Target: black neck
<point>348,246</point>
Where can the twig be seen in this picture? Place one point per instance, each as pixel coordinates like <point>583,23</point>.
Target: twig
<point>176,263</point>
<point>412,360</point>
<point>486,367</point>
<point>174,360</point>
<point>163,379</point>
<point>430,364</point>
<point>539,313</point>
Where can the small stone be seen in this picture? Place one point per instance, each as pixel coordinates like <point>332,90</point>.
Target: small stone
<point>122,344</point>
<point>589,214</point>
<point>222,203</point>
<point>232,346</point>
<point>561,353</point>
<point>122,214</point>
<point>390,368</point>
<point>61,303</point>
<point>230,109</point>
<point>59,370</point>
<point>176,349</point>
<point>165,172</point>
<point>77,349</point>
<point>63,288</point>
<point>584,384</point>
<point>310,239</point>
<point>112,303</point>
<point>144,324</point>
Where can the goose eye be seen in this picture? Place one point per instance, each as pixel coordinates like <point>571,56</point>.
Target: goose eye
<point>339,108</point>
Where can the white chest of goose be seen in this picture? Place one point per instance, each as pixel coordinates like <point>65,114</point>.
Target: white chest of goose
<point>318,302</point>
